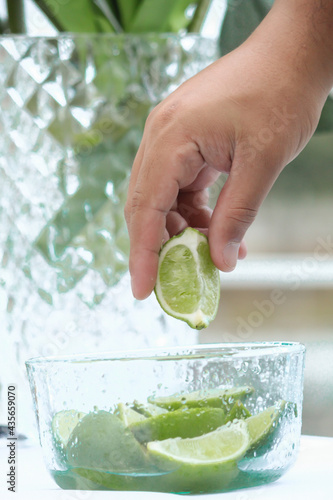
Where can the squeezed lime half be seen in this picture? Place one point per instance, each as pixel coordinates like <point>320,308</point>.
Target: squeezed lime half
<point>188,283</point>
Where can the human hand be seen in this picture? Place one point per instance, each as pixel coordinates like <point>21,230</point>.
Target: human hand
<point>248,114</point>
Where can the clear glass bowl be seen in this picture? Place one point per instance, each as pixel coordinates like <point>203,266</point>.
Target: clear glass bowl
<point>98,416</point>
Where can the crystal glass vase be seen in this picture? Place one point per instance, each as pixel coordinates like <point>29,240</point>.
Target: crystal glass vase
<point>72,111</point>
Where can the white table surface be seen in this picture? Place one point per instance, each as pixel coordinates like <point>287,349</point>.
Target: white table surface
<point>311,478</point>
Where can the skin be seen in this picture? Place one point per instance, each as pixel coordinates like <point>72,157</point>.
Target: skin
<point>248,114</point>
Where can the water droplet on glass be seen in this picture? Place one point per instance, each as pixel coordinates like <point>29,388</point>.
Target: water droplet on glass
<point>245,366</point>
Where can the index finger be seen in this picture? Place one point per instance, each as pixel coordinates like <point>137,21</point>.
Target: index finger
<point>159,174</point>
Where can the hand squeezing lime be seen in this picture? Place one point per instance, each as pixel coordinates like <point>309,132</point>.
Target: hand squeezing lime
<point>188,283</point>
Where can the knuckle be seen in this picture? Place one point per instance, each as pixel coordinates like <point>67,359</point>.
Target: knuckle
<point>137,201</point>
<point>163,114</point>
<point>133,205</point>
<point>242,215</point>
<point>180,157</point>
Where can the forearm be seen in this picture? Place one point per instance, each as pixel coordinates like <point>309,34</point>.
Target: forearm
<point>301,33</point>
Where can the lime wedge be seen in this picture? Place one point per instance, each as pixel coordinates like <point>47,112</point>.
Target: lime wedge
<point>238,411</point>
<point>216,398</point>
<point>202,464</point>
<point>148,410</point>
<point>188,283</point>
<point>226,444</point>
<point>127,415</point>
<point>184,423</point>
<point>101,441</point>
<point>262,424</point>
<point>63,424</point>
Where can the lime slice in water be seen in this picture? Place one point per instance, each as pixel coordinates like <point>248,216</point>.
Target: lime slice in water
<point>63,424</point>
<point>216,398</point>
<point>188,283</point>
<point>204,463</point>
<point>184,423</point>
<point>148,409</point>
<point>226,444</point>
<point>262,424</point>
<point>238,411</point>
<point>101,441</point>
<point>127,415</point>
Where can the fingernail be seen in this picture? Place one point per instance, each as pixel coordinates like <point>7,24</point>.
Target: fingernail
<point>230,255</point>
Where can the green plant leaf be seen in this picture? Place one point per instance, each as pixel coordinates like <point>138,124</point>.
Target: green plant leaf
<point>110,17</point>
<point>16,16</point>
<point>79,16</point>
<point>199,15</point>
<point>178,19</point>
<point>127,9</point>
<point>150,19</point>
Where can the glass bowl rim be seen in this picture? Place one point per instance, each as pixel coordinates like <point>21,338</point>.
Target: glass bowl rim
<point>198,351</point>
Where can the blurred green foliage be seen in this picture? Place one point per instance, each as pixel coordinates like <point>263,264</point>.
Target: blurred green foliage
<point>115,16</point>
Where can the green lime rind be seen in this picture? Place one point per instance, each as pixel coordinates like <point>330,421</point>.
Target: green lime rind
<point>215,398</point>
<point>183,423</point>
<point>238,412</point>
<point>101,441</point>
<point>188,283</point>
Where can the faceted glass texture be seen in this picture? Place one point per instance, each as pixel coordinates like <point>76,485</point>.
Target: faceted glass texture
<point>72,111</point>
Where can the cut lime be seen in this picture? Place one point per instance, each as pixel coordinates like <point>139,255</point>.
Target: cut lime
<point>184,423</point>
<point>262,424</point>
<point>127,415</point>
<point>63,424</point>
<point>226,444</point>
<point>101,441</point>
<point>148,410</point>
<point>238,411</point>
<point>216,398</point>
<point>204,463</point>
<point>188,283</point>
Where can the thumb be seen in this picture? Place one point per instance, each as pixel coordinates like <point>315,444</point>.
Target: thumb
<point>236,209</point>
